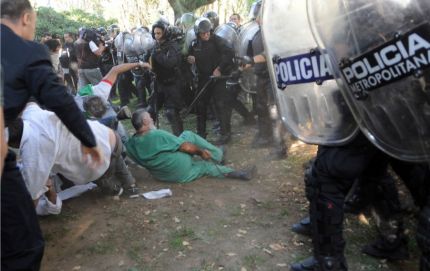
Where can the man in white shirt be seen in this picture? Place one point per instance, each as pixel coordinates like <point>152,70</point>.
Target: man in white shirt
<point>47,147</point>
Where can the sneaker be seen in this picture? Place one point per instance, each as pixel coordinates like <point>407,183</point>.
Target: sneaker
<point>307,264</point>
<point>303,227</point>
<point>131,192</point>
<point>124,113</point>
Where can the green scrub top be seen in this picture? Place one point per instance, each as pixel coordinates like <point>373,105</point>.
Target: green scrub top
<point>158,151</point>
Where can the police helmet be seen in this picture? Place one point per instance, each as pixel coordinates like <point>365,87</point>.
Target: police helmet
<point>81,31</point>
<point>163,24</point>
<point>113,30</point>
<point>202,25</point>
<point>213,17</point>
<point>101,31</point>
<point>187,20</point>
<point>255,10</point>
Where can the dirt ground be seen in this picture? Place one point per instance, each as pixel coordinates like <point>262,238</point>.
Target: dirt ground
<point>209,224</point>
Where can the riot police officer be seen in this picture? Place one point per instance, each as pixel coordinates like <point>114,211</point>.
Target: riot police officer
<point>343,157</point>
<point>213,59</point>
<point>166,59</point>
<point>213,18</point>
<point>264,95</point>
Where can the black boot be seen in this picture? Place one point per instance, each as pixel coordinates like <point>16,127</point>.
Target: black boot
<point>328,263</point>
<point>245,175</point>
<point>223,139</point>
<point>303,227</point>
<point>175,121</point>
<point>307,264</point>
<point>382,248</point>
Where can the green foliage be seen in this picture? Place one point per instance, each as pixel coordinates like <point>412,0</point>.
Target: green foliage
<point>53,22</point>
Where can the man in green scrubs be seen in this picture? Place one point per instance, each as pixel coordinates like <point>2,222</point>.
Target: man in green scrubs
<point>170,158</point>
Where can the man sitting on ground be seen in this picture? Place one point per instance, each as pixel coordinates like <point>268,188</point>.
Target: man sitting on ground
<point>47,147</point>
<point>170,158</point>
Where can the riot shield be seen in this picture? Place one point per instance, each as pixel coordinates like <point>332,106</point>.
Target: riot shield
<point>310,103</point>
<point>380,53</point>
<point>128,44</point>
<point>228,33</point>
<point>189,37</point>
<point>247,79</point>
<point>142,42</point>
<point>247,32</point>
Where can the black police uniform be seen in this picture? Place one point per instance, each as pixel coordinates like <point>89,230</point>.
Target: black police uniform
<point>166,61</point>
<point>264,94</point>
<point>332,176</point>
<point>208,56</point>
<point>28,72</point>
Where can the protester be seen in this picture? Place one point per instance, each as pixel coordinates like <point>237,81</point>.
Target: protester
<point>47,147</point>
<point>170,158</point>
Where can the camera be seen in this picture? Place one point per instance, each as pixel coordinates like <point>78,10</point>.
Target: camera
<point>174,33</point>
<point>92,35</point>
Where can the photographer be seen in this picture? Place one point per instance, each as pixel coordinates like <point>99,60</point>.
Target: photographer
<point>68,62</point>
<point>89,48</point>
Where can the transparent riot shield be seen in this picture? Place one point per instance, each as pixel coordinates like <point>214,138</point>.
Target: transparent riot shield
<point>142,42</point>
<point>380,53</point>
<point>128,44</point>
<point>228,33</point>
<point>247,31</point>
<point>189,37</point>
<point>310,103</point>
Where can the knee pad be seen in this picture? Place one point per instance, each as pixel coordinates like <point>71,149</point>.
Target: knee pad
<point>310,182</point>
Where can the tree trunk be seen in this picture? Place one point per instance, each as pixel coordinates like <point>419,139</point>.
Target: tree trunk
<point>182,6</point>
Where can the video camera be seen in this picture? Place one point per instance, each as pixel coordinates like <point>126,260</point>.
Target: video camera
<point>92,35</point>
<point>174,33</point>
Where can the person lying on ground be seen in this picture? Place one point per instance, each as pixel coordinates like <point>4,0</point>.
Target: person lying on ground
<point>46,147</point>
<point>171,158</point>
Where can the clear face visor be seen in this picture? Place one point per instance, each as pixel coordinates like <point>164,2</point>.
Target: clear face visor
<point>255,10</point>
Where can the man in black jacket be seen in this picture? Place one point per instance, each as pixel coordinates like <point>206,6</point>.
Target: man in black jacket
<point>213,59</point>
<point>28,72</point>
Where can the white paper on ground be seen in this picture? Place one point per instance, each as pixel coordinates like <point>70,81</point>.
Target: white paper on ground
<point>157,194</point>
<point>76,190</point>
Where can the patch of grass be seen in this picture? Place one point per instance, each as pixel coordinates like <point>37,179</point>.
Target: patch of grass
<point>284,213</point>
<point>205,266</point>
<point>177,237</point>
<point>100,248</point>
<point>236,211</point>
<point>268,205</point>
<point>252,261</point>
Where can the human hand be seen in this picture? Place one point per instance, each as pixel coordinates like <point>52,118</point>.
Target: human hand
<point>206,155</point>
<point>144,65</point>
<point>191,59</point>
<point>216,72</point>
<point>95,156</point>
<point>51,194</point>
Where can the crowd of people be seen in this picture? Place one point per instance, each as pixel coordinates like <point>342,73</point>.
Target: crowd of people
<point>60,119</point>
